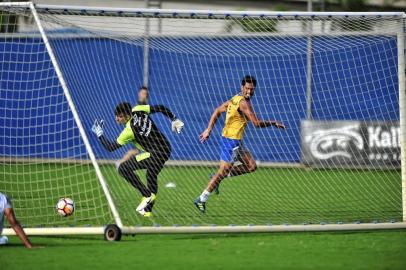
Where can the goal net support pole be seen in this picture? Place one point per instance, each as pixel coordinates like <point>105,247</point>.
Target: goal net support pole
<point>76,117</point>
<point>78,122</point>
<point>402,107</point>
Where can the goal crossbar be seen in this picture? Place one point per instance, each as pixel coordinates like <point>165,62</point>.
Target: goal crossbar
<point>205,13</point>
<point>179,13</point>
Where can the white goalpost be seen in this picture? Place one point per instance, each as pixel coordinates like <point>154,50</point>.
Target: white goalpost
<point>338,85</point>
<point>76,117</point>
<point>402,108</point>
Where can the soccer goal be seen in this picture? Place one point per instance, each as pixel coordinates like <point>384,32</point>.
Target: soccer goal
<point>336,80</point>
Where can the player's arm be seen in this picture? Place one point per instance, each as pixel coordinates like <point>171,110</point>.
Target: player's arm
<point>108,145</point>
<point>246,109</point>
<point>177,124</point>
<point>130,153</point>
<point>164,110</point>
<point>213,119</point>
<point>155,109</point>
<point>97,129</point>
<point>12,220</point>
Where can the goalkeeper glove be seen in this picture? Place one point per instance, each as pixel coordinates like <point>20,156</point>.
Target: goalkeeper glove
<point>97,128</point>
<point>177,125</point>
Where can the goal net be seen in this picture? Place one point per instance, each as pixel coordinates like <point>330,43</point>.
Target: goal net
<point>332,79</point>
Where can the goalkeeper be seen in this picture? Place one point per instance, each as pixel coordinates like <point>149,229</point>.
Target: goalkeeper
<point>145,135</point>
<point>143,95</point>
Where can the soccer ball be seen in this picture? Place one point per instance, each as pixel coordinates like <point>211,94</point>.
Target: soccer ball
<point>65,207</point>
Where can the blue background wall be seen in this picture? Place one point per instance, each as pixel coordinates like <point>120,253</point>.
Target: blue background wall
<point>353,78</point>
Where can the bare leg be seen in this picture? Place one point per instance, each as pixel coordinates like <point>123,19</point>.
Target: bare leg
<point>222,172</point>
<point>248,165</point>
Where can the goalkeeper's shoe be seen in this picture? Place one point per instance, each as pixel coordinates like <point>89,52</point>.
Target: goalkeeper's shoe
<point>145,201</point>
<point>217,188</point>
<point>200,205</point>
<point>144,213</point>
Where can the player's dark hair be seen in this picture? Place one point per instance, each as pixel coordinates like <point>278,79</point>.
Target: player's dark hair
<point>143,88</point>
<point>249,79</point>
<point>123,108</point>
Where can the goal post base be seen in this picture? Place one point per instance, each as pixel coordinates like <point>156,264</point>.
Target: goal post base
<point>112,233</point>
<point>59,231</point>
<point>262,228</point>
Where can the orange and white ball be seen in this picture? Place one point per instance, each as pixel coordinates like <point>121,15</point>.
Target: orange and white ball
<point>65,207</point>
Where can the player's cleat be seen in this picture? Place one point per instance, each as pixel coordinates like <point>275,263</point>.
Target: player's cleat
<point>217,188</point>
<point>141,212</point>
<point>147,214</point>
<point>145,201</point>
<point>144,213</point>
<point>200,205</point>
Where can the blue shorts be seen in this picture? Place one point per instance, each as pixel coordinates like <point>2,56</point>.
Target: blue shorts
<point>231,149</point>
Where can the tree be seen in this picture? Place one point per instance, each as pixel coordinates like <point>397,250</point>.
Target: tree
<point>8,21</point>
<point>255,25</point>
<point>352,24</point>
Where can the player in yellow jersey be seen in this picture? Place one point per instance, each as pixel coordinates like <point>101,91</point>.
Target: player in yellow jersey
<point>239,112</point>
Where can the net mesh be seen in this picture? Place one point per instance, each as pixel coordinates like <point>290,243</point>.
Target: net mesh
<point>337,161</point>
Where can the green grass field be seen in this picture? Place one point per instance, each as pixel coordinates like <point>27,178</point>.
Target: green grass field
<point>267,196</point>
<point>276,196</point>
<point>368,250</point>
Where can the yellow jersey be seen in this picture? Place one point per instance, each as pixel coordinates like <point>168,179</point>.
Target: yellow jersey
<point>235,121</point>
